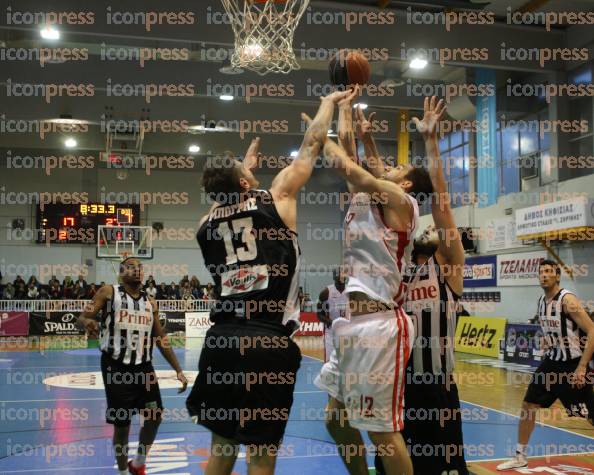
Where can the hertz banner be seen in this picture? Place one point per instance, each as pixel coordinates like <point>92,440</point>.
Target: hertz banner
<point>480,335</point>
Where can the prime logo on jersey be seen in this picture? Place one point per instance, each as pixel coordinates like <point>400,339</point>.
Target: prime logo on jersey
<point>131,319</point>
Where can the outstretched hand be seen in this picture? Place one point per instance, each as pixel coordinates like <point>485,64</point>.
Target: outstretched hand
<point>348,100</point>
<point>338,96</point>
<point>433,113</point>
<point>364,125</point>
<point>252,156</point>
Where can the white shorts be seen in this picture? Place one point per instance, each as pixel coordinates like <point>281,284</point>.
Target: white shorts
<point>327,380</point>
<point>370,357</point>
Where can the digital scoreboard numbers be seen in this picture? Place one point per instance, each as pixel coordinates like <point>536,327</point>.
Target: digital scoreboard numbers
<point>77,223</point>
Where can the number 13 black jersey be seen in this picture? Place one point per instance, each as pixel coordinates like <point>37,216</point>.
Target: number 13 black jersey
<point>253,259</point>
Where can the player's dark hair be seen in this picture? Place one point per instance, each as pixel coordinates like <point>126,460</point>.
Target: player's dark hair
<point>421,188</point>
<point>549,262</point>
<point>220,179</point>
<point>422,248</point>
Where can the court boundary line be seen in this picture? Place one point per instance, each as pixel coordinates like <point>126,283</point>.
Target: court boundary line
<point>535,457</point>
<point>103,398</point>
<point>539,423</point>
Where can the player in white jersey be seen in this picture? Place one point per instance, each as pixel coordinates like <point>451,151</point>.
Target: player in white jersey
<point>333,303</point>
<point>434,285</point>
<point>372,348</point>
<point>563,373</point>
<point>129,329</point>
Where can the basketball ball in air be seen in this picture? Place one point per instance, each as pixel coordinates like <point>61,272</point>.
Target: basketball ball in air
<point>349,67</point>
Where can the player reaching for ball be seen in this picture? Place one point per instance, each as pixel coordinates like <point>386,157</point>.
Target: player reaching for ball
<point>371,349</point>
<point>249,243</point>
<point>434,286</point>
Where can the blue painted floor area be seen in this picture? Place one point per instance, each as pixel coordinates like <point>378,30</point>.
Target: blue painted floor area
<point>49,429</point>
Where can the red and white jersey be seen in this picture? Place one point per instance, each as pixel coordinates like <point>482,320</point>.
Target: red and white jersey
<point>376,256</point>
<point>338,303</point>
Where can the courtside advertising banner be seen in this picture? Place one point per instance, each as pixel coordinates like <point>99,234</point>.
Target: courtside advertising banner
<point>54,323</point>
<point>173,322</point>
<point>310,325</point>
<point>480,271</point>
<point>523,344</point>
<point>519,269</point>
<point>197,324</point>
<point>14,323</point>
<point>480,335</point>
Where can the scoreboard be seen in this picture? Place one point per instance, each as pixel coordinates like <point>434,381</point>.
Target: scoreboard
<point>77,223</point>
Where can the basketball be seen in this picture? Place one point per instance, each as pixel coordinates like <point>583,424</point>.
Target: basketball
<point>349,67</point>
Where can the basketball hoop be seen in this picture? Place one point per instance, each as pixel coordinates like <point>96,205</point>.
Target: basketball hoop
<point>264,31</point>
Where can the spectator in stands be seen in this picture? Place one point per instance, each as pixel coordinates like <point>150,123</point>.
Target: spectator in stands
<point>173,292</point>
<point>301,298</point>
<point>82,282</point>
<point>9,292</point>
<point>78,293</point>
<point>20,292</point>
<point>149,281</point>
<point>151,290</point>
<point>67,287</point>
<point>187,292</point>
<point>43,295</point>
<point>33,280</point>
<point>194,282</point>
<point>32,292</point>
<point>53,280</point>
<point>162,292</point>
<point>209,293</point>
<point>182,283</point>
<point>18,281</point>
<point>91,291</point>
<point>197,292</point>
<point>55,292</point>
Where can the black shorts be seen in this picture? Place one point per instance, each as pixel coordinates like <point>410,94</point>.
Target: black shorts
<point>130,390</point>
<point>551,381</point>
<point>246,377</point>
<point>433,424</point>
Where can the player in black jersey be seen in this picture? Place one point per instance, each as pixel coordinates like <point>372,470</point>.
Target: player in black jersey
<point>247,368</point>
<point>128,330</point>
<point>562,374</point>
<point>434,285</point>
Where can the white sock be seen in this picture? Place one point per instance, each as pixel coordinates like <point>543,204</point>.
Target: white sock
<point>124,472</point>
<point>521,449</point>
<point>139,460</point>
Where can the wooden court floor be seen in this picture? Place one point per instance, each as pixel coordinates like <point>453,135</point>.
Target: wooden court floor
<point>495,391</point>
<point>503,390</point>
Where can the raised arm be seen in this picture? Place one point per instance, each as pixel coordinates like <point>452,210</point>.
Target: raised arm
<point>375,164</point>
<point>450,250</point>
<point>292,178</point>
<point>252,155</point>
<point>386,192</point>
<point>346,134</point>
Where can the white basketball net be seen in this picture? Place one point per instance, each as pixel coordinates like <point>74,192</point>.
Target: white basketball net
<point>264,31</point>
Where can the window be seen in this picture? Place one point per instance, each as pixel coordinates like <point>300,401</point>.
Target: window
<point>520,147</point>
<point>455,155</point>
